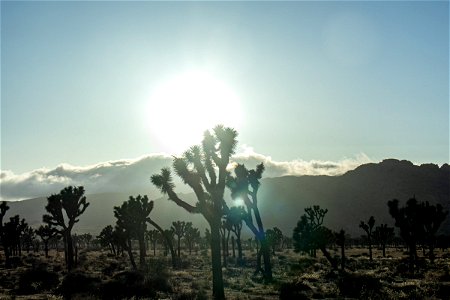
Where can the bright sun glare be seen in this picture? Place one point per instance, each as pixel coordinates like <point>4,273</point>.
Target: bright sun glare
<point>183,107</point>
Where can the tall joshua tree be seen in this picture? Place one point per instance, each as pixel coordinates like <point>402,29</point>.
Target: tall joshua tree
<point>368,227</point>
<point>73,202</point>
<point>204,169</point>
<point>245,185</point>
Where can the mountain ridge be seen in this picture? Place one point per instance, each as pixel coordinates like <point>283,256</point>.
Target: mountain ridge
<point>350,198</point>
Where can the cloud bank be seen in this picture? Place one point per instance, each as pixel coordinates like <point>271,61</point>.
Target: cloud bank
<point>134,174</point>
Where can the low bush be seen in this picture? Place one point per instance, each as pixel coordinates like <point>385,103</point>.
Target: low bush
<point>36,281</point>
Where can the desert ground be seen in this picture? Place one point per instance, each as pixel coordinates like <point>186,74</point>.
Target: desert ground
<point>101,275</point>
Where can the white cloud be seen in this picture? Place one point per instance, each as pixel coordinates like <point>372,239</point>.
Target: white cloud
<point>133,174</point>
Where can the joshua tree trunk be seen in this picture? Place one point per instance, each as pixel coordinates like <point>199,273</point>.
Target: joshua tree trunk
<point>46,248</point>
<point>69,249</point>
<point>142,251</point>
<point>233,247</point>
<point>130,254</point>
<point>218,291</point>
<point>168,243</point>
<point>342,257</point>
<point>239,248</point>
<point>329,258</point>
<point>370,248</point>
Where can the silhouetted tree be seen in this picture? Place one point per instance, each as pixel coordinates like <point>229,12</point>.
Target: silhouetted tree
<point>382,235</point>
<point>310,234</point>
<point>179,229</point>
<point>132,216</point>
<point>46,232</point>
<point>28,237</point>
<point>433,216</point>
<point>73,202</point>
<point>197,169</point>
<point>225,231</point>
<point>368,229</point>
<point>274,238</point>
<point>191,236</point>
<point>410,221</point>
<point>234,217</point>
<point>3,208</point>
<point>245,185</point>
<point>106,238</point>
<point>340,241</point>
<point>153,236</point>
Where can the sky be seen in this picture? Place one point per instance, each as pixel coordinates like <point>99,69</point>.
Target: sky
<point>85,83</point>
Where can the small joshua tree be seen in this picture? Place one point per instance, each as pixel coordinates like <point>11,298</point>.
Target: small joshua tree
<point>3,208</point>
<point>310,234</point>
<point>72,201</point>
<point>383,234</point>
<point>106,238</point>
<point>179,229</point>
<point>368,229</point>
<point>191,236</point>
<point>234,217</point>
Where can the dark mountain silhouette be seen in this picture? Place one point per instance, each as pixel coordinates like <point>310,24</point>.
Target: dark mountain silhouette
<point>356,195</point>
<point>349,198</point>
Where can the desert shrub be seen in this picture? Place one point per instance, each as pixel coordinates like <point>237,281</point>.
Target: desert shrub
<point>303,264</point>
<point>78,283</point>
<point>36,281</point>
<point>126,285</point>
<point>110,268</point>
<point>361,286</point>
<point>443,290</point>
<point>192,295</point>
<point>294,290</point>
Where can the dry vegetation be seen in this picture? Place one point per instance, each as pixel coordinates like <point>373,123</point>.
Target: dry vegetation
<point>100,275</point>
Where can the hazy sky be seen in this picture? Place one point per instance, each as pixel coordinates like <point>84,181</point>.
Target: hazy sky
<point>80,81</point>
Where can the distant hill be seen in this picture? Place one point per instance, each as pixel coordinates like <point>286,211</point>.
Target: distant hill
<point>356,195</point>
<point>350,198</point>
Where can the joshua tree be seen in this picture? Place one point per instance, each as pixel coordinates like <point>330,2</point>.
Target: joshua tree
<point>410,221</point>
<point>383,234</point>
<point>106,238</point>
<point>197,168</point>
<point>368,229</point>
<point>235,216</point>
<point>225,231</point>
<point>191,236</point>
<point>152,236</point>
<point>310,234</point>
<point>433,216</point>
<point>73,202</point>
<point>245,185</point>
<point>46,233</point>
<point>132,216</point>
<point>3,208</point>
<point>275,238</point>
<point>340,241</point>
<point>179,229</point>
<point>28,236</point>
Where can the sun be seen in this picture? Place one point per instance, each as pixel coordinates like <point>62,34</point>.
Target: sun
<point>183,107</point>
